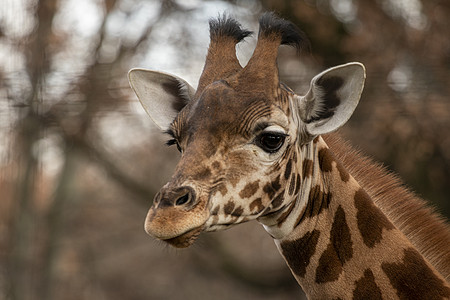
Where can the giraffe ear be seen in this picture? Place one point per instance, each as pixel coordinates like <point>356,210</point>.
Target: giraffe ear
<point>332,98</point>
<point>162,95</point>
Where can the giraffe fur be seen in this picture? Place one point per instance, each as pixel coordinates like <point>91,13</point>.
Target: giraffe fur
<point>252,149</point>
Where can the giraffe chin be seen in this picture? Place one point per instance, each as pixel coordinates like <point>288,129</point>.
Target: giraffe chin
<point>186,239</point>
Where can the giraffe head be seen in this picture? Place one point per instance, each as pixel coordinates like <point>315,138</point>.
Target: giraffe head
<point>240,133</point>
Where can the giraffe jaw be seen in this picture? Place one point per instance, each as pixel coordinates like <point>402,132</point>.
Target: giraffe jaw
<point>186,239</point>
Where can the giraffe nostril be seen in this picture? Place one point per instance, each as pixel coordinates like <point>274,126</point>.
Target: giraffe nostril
<point>183,199</point>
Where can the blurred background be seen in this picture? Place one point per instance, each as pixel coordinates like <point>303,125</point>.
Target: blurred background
<point>80,161</point>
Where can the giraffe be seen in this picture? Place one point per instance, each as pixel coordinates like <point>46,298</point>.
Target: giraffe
<point>252,149</point>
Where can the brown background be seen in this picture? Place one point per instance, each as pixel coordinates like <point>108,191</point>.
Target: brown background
<point>80,162</point>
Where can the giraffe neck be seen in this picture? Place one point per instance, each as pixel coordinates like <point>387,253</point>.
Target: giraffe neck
<point>338,244</point>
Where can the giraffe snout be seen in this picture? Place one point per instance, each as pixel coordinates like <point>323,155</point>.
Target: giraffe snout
<point>177,216</point>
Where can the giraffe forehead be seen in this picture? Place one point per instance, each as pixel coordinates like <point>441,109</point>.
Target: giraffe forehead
<point>222,112</point>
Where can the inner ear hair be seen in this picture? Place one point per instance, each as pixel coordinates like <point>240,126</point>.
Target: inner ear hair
<point>331,99</point>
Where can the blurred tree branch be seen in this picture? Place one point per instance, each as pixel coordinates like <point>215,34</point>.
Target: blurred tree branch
<point>102,159</point>
<point>94,85</point>
<point>21,239</point>
<point>405,128</point>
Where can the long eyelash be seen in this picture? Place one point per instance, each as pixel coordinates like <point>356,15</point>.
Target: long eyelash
<point>170,132</point>
<point>171,142</point>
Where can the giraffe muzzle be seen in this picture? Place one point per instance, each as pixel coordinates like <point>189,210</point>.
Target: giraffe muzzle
<point>177,216</point>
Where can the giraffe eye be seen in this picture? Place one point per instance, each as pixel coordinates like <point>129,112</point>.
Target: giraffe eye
<point>270,142</point>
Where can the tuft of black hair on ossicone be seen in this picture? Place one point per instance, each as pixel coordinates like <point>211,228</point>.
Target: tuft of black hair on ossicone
<point>270,23</point>
<point>227,26</point>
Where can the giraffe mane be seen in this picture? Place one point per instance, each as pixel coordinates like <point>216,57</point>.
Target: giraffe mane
<point>425,228</point>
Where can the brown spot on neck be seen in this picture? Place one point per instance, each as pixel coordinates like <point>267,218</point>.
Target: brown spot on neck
<point>317,202</point>
<point>366,288</point>
<point>326,159</point>
<point>338,252</point>
<point>298,253</point>
<point>407,212</point>
<point>370,219</point>
<point>413,279</point>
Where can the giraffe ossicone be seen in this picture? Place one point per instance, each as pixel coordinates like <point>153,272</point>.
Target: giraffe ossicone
<point>252,149</point>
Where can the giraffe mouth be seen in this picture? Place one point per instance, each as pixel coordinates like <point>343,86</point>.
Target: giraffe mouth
<point>186,239</point>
